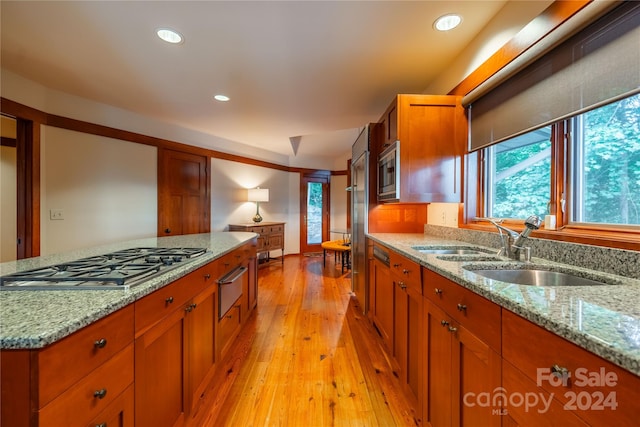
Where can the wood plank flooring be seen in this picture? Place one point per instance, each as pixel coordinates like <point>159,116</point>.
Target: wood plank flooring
<point>307,357</point>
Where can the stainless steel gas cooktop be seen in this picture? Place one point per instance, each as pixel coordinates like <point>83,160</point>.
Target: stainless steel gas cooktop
<point>115,270</point>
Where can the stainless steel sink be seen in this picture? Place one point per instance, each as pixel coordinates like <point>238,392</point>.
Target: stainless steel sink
<point>450,250</point>
<point>536,277</point>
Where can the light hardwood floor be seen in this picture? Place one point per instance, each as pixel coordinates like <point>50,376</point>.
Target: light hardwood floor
<point>307,357</point>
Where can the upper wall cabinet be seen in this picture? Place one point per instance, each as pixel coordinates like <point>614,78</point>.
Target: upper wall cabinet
<point>432,132</point>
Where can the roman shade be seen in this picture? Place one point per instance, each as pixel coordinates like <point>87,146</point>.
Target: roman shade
<point>598,65</point>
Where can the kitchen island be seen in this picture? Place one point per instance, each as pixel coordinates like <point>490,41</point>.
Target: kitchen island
<point>72,357</point>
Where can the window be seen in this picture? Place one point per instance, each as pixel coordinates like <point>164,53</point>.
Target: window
<point>518,176</point>
<point>606,164</point>
<point>603,165</point>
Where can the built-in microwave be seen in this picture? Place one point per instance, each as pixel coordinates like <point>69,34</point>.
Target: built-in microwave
<point>389,174</point>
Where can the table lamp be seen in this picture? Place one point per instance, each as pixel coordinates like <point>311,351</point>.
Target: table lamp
<point>258,195</point>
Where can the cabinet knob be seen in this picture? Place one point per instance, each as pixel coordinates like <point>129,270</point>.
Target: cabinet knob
<point>452,329</point>
<point>167,231</point>
<point>559,371</point>
<point>100,394</point>
<point>101,343</point>
<point>405,271</point>
<point>190,308</point>
<point>444,323</point>
<point>169,300</point>
<point>462,307</point>
<point>396,265</point>
<point>402,285</point>
<point>101,425</point>
<point>207,276</point>
<point>438,291</point>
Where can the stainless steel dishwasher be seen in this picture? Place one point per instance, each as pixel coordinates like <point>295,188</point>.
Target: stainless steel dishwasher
<point>230,288</point>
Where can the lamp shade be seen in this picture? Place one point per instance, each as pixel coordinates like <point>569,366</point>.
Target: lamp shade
<point>258,195</point>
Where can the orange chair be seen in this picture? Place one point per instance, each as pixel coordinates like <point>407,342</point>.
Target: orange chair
<point>337,246</point>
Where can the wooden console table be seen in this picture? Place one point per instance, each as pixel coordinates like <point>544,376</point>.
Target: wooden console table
<point>271,236</point>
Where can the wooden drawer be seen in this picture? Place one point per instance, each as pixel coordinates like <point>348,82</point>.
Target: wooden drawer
<point>543,410</point>
<point>534,351</point>
<point>65,362</point>
<point>155,306</point>
<point>83,402</point>
<point>406,269</point>
<point>228,328</point>
<point>118,413</point>
<point>479,315</point>
<point>274,229</point>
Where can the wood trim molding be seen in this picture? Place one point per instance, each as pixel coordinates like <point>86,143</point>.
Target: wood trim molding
<point>8,142</point>
<point>15,109</point>
<point>552,17</point>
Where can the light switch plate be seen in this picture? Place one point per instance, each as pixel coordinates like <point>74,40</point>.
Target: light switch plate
<point>56,214</point>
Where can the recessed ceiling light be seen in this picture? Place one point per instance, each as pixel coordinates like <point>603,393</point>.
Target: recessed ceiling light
<point>222,98</point>
<point>447,22</point>
<point>169,35</point>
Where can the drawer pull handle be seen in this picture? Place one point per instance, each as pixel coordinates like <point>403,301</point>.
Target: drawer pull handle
<point>101,343</point>
<point>207,276</point>
<point>402,285</point>
<point>405,271</point>
<point>438,291</point>
<point>452,329</point>
<point>100,394</point>
<point>560,371</point>
<point>462,307</point>
<point>169,300</point>
<point>444,323</point>
<point>396,265</point>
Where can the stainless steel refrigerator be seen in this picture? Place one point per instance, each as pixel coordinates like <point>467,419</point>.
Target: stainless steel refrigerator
<point>359,216</point>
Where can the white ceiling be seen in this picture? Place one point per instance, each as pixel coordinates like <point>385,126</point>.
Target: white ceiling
<point>316,69</point>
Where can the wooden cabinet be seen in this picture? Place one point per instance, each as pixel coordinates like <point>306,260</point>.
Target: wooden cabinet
<point>432,132</point>
<point>382,301</point>
<point>408,326</point>
<point>585,388</point>
<point>175,351</point>
<point>460,363</point>
<point>270,236</point>
<point>82,377</point>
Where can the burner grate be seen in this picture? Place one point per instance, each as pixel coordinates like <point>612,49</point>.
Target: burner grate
<point>116,270</point>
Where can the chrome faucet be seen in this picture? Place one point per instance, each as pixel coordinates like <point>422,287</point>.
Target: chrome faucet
<point>512,242</point>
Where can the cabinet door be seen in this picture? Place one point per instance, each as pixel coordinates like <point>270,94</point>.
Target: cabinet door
<point>389,123</point>
<point>383,308</point>
<point>476,368</point>
<point>159,361</point>
<point>408,340</point>
<point>438,403</point>
<point>201,319</point>
<point>432,133</point>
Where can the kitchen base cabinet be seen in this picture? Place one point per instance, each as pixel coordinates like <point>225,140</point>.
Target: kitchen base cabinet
<point>582,383</point>
<point>463,362</point>
<point>174,355</point>
<point>461,368</point>
<point>382,302</point>
<point>71,381</point>
<point>408,327</point>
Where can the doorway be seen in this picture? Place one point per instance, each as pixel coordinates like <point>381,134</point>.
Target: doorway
<point>314,211</point>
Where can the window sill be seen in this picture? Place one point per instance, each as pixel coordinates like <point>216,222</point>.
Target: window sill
<point>618,239</point>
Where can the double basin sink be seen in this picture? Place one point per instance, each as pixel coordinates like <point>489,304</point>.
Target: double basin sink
<point>529,274</point>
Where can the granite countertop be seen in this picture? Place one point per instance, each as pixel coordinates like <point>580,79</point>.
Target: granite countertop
<point>602,319</point>
<point>34,319</point>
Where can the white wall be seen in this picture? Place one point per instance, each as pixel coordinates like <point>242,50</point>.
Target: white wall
<point>106,189</point>
<point>229,205</point>
<point>8,199</point>
<point>513,17</point>
<point>339,205</point>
